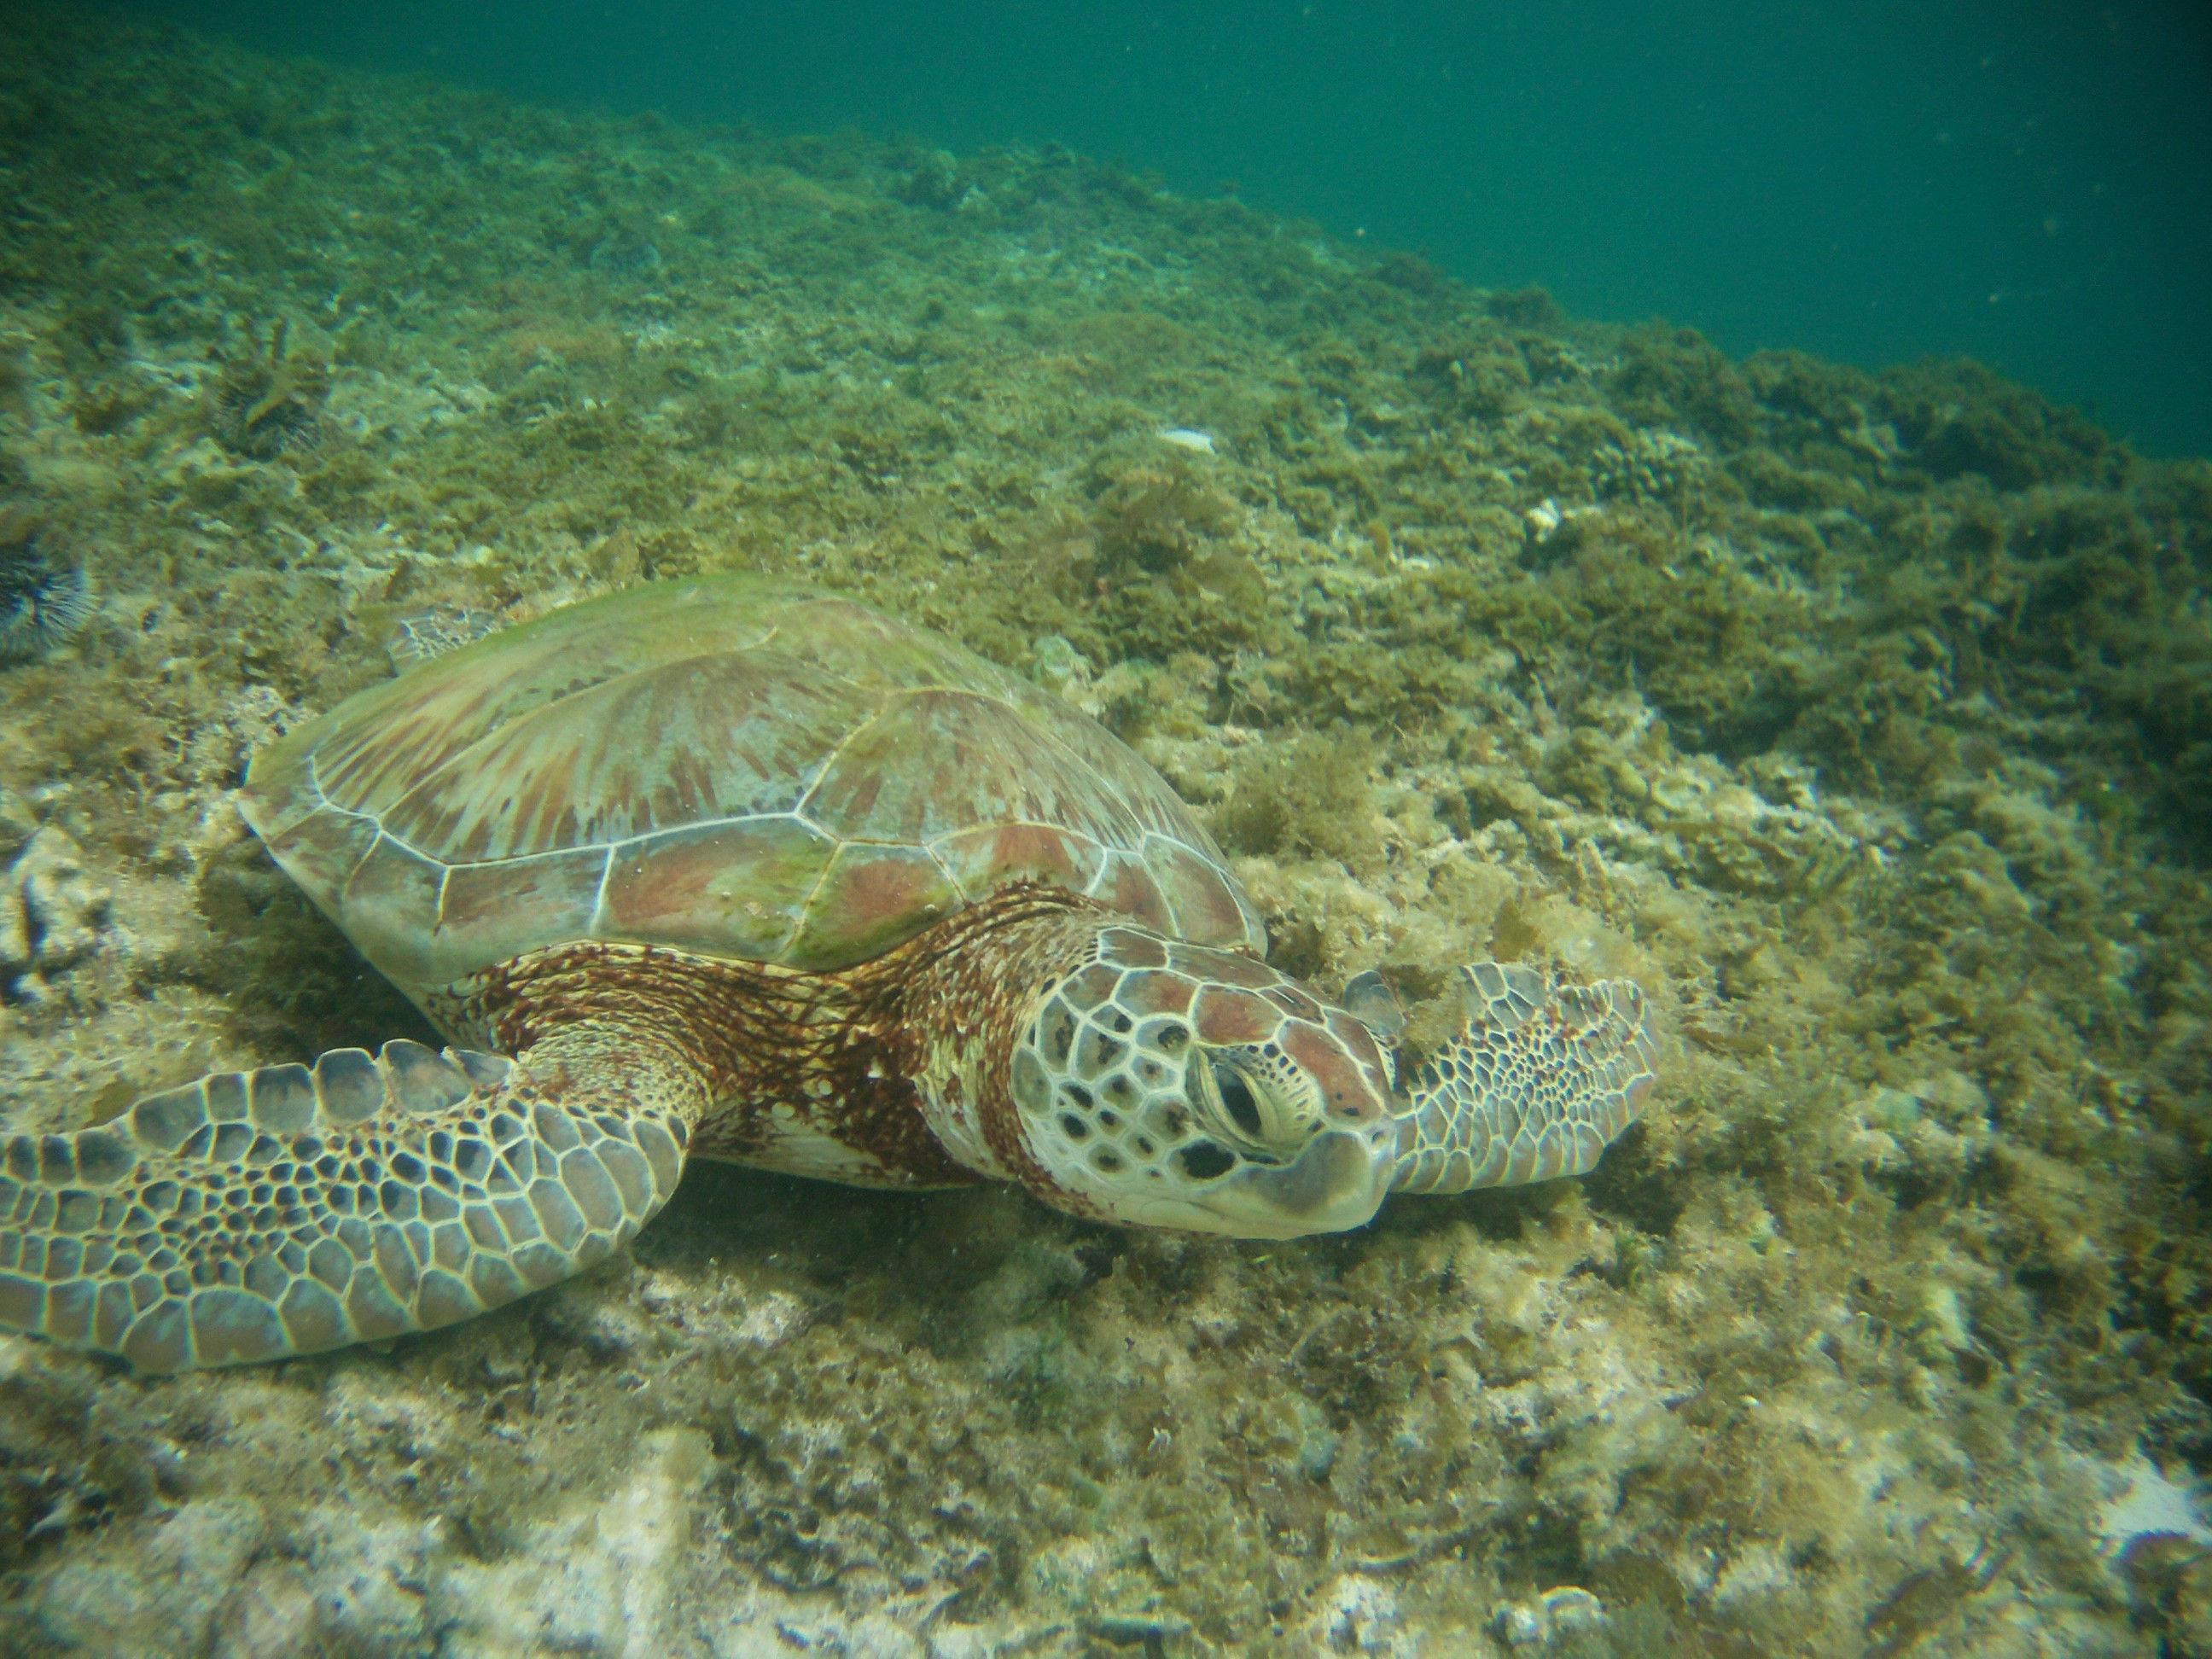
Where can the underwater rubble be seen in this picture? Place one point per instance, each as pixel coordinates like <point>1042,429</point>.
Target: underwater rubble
<point>1866,718</point>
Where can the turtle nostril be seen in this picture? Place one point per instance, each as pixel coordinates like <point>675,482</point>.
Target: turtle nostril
<point>1236,1099</point>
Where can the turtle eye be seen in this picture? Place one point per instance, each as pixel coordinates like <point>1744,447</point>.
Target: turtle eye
<point>1256,1096</point>
<point>1242,1106</point>
<point>1236,1096</point>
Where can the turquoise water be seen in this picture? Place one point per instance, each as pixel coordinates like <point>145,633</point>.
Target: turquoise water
<point>2030,184</point>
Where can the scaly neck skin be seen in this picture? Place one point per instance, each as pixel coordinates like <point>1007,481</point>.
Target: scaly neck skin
<point>947,1011</point>
<point>906,1059</point>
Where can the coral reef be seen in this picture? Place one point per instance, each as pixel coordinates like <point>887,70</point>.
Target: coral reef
<point>1866,718</point>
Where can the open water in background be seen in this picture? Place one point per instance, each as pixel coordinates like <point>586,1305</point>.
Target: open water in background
<point>2028,182</point>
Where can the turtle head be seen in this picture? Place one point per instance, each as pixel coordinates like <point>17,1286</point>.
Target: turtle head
<point>1166,1085</point>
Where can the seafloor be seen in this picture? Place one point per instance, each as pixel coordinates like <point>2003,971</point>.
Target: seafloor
<point>1867,719</point>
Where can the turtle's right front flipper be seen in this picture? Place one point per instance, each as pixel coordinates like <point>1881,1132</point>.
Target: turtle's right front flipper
<point>256,1215</point>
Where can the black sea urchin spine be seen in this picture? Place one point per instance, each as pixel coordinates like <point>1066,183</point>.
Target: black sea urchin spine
<point>41,607</point>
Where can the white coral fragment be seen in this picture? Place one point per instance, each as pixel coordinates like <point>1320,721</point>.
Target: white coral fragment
<point>2144,1504</point>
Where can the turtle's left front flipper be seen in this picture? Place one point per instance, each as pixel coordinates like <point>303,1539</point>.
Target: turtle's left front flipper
<point>255,1215</point>
<point>1538,1081</point>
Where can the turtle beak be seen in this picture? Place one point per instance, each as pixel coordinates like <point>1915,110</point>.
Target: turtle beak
<point>1337,1183</point>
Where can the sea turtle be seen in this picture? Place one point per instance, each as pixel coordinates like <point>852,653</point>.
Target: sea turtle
<point>732,869</point>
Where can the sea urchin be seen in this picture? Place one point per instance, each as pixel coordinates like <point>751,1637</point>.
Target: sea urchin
<point>43,601</point>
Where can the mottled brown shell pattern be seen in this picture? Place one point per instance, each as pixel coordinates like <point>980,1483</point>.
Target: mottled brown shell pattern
<point>735,766</point>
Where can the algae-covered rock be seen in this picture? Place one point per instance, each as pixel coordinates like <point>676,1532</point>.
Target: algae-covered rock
<point>157,1592</point>
<point>51,913</point>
